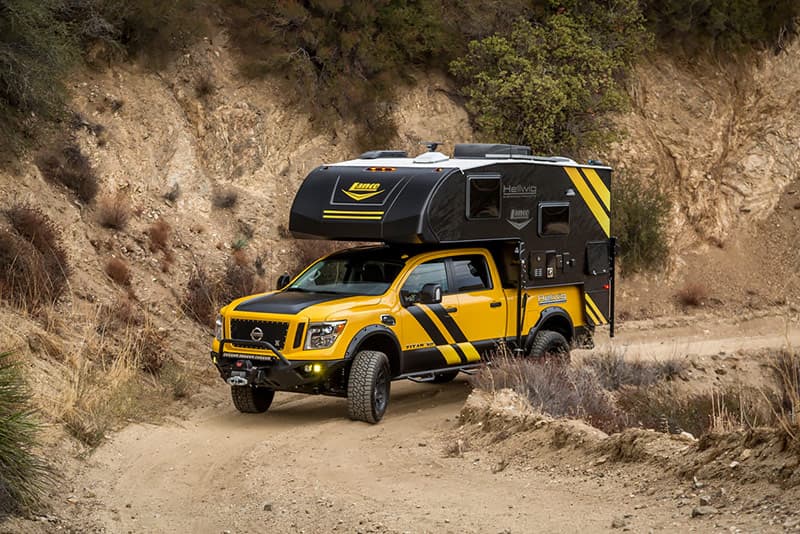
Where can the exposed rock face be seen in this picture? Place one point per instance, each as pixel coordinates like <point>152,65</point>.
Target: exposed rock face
<point>721,140</point>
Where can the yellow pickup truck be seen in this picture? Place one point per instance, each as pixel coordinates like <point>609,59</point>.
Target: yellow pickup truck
<point>478,250</point>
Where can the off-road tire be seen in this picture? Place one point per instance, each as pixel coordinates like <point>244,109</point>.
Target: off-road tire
<point>443,378</point>
<point>368,386</point>
<point>249,399</point>
<point>550,346</point>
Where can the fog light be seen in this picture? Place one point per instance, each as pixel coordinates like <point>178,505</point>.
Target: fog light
<point>307,368</point>
<point>317,367</point>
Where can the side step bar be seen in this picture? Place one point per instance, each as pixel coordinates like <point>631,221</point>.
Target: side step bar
<point>427,376</point>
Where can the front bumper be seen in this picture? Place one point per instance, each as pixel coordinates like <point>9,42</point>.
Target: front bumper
<point>327,377</point>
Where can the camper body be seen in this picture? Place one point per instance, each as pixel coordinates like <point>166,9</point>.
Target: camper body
<point>490,247</point>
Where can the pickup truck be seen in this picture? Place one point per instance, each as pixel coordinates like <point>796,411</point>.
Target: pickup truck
<point>358,319</point>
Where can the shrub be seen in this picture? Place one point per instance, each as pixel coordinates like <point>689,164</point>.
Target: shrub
<point>159,233</point>
<point>787,370</point>
<point>114,212</point>
<point>724,26</point>
<point>340,59</point>
<point>65,164</point>
<point>118,270</point>
<point>550,82</point>
<point>555,389</point>
<point>24,477</point>
<point>639,216</point>
<point>615,371</point>
<point>36,51</point>
<point>33,263</point>
<point>205,295</point>
<point>692,294</point>
<point>204,86</point>
<point>225,198</point>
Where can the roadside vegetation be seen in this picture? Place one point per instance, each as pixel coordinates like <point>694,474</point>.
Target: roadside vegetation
<point>613,393</point>
<point>24,475</point>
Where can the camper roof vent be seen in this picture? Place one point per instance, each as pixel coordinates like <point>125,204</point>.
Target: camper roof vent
<point>430,157</point>
<point>484,150</point>
<point>377,154</point>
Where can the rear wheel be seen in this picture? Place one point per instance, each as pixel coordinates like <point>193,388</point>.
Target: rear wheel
<point>443,378</point>
<point>550,346</point>
<point>368,386</point>
<point>249,399</point>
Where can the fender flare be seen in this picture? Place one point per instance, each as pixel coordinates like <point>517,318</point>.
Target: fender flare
<point>547,314</point>
<point>366,333</point>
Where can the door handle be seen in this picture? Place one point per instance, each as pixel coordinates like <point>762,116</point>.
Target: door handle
<point>451,310</point>
<point>496,304</point>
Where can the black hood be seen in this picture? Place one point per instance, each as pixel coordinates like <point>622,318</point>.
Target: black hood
<point>286,302</point>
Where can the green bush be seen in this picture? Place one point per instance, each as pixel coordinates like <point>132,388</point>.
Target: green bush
<point>339,59</point>
<point>549,83</point>
<point>638,219</point>
<point>726,26</point>
<point>36,50</point>
<point>23,475</point>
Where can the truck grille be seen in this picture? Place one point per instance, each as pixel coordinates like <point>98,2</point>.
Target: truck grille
<point>273,332</point>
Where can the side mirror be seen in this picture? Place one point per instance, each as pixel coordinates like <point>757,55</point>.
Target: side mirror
<point>283,281</point>
<point>430,294</point>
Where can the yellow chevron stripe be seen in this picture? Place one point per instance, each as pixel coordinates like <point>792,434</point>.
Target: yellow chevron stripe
<point>588,197</point>
<point>595,309</point>
<point>450,354</point>
<point>599,186</point>
<point>592,316</point>
<point>352,212</point>
<point>470,352</point>
<point>354,218</point>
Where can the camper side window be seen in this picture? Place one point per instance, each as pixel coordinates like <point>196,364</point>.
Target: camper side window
<point>553,218</point>
<point>483,197</point>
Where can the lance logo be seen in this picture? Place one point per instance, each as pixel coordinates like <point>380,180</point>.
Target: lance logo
<point>519,219</point>
<point>363,190</point>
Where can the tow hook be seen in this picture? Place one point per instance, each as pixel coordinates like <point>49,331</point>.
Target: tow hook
<point>237,381</point>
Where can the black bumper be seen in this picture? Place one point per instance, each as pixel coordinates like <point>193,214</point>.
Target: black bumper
<point>304,376</point>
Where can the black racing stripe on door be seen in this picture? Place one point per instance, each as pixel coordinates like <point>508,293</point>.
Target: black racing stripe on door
<point>427,324</point>
<point>460,353</point>
<point>448,322</point>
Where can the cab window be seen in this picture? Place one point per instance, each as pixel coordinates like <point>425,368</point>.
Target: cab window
<point>432,272</point>
<point>470,273</point>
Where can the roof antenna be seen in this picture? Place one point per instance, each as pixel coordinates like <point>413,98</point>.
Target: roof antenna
<point>431,145</point>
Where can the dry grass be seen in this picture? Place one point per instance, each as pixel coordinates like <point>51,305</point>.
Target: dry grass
<point>692,294</point>
<point>160,233</point>
<point>615,371</point>
<point>114,211</point>
<point>33,262</point>
<point>65,164</point>
<point>117,269</point>
<point>787,370</point>
<point>205,293</point>
<point>225,198</point>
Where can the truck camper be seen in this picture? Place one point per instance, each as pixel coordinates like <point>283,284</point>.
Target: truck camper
<point>492,246</point>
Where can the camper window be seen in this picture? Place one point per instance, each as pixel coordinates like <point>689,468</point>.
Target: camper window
<point>553,218</point>
<point>483,197</point>
<point>470,273</point>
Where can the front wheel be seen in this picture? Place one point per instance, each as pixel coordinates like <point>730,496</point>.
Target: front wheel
<point>550,346</point>
<point>368,386</point>
<point>250,399</point>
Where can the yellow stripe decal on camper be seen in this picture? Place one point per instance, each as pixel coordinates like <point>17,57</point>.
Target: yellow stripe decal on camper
<point>450,354</point>
<point>599,187</point>
<point>354,215</point>
<point>592,317</point>
<point>472,354</point>
<point>595,309</point>
<point>591,200</point>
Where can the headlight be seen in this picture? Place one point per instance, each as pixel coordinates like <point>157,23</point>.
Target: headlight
<point>218,328</point>
<point>322,335</point>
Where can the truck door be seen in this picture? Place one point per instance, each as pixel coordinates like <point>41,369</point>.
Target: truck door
<point>481,313</point>
<point>423,337</point>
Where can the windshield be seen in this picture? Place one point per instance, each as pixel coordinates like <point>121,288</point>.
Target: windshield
<point>349,275</point>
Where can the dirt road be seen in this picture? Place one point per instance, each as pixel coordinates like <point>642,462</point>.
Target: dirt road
<point>303,467</point>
